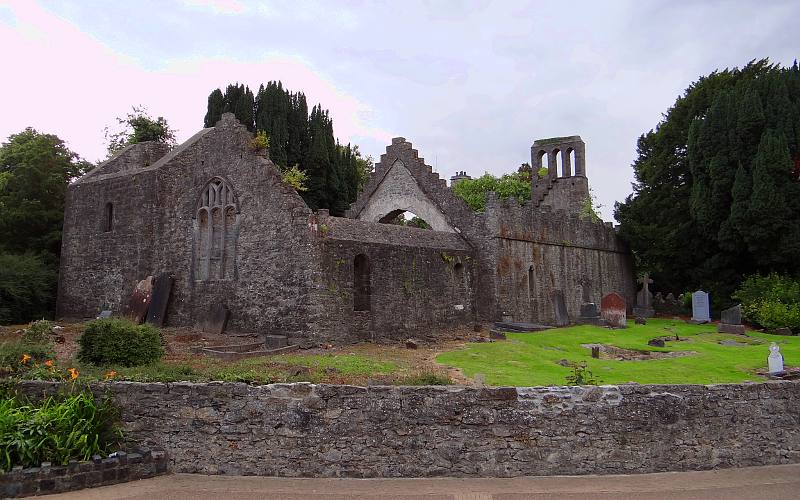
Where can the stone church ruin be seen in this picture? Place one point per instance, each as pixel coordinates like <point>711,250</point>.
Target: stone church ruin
<point>216,215</point>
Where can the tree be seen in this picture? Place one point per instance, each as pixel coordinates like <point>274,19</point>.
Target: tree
<point>473,191</point>
<point>335,172</point>
<point>715,196</point>
<point>35,169</point>
<point>138,126</point>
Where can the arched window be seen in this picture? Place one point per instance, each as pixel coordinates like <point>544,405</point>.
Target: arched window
<point>108,220</point>
<point>361,283</point>
<point>216,228</point>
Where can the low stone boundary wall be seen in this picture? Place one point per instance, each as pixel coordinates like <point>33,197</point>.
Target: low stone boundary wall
<point>331,431</point>
<point>99,471</point>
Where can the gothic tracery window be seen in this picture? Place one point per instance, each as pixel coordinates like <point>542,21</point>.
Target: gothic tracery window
<point>216,224</point>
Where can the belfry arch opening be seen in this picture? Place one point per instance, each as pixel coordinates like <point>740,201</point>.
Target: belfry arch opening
<point>406,218</point>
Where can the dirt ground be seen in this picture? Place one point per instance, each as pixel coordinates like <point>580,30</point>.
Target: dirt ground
<point>181,342</point>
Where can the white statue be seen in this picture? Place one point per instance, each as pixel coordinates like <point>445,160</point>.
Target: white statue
<point>775,359</point>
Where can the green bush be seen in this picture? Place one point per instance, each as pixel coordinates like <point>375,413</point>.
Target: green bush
<point>115,341</point>
<point>27,288</point>
<point>55,430</point>
<point>771,301</point>
<point>38,332</point>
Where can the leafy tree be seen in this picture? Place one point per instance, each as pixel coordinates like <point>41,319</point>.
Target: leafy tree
<point>715,196</point>
<point>473,191</point>
<point>216,105</point>
<point>35,170</point>
<point>138,126</point>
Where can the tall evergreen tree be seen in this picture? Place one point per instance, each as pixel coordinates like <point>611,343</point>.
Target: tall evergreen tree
<point>716,195</point>
<point>216,104</point>
<point>297,138</point>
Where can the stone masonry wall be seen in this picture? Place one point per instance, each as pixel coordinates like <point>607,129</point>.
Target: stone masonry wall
<point>346,431</point>
<point>421,281</point>
<point>537,251</point>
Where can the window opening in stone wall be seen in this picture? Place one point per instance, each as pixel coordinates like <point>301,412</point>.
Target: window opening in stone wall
<point>558,164</point>
<point>571,156</point>
<point>458,278</point>
<point>405,218</point>
<point>544,160</point>
<point>216,231</point>
<point>530,283</point>
<point>108,222</point>
<point>361,283</point>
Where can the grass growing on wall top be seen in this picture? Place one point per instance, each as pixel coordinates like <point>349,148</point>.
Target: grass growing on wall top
<point>530,359</point>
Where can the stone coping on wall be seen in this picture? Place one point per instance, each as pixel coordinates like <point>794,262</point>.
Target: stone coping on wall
<point>119,467</point>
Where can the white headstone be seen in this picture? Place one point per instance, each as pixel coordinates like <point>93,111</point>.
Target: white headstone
<point>775,359</point>
<point>700,309</point>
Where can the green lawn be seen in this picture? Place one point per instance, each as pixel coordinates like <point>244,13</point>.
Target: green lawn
<point>530,359</point>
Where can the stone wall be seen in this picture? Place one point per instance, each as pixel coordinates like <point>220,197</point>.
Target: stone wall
<point>330,431</point>
<point>536,251</point>
<point>421,281</point>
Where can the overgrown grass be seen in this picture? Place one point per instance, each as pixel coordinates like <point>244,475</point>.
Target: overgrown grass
<point>529,359</point>
<point>262,370</point>
<point>57,429</point>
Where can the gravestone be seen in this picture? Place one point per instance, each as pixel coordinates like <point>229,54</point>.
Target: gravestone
<point>644,299</point>
<point>590,315</point>
<point>215,320</point>
<point>140,300</point>
<point>162,288</point>
<point>613,310</point>
<point>559,308</point>
<point>701,311</point>
<point>104,314</point>
<point>731,320</point>
<point>775,359</point>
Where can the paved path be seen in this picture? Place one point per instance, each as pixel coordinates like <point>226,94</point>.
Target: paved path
<point>778,482</point>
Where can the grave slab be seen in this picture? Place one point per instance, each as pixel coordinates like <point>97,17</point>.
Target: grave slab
<point>140,300</point>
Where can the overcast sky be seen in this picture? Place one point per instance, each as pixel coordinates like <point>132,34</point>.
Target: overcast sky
<point>470,84</point>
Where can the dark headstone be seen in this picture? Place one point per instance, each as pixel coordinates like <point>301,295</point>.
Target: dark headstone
<point>735,329</point>
<point>162,289</point>
<point>656,342</point>
<point>215,320</point>
<point>559,308</point>
<point>140,300</point>
<point>732,315</point>
<point>596,351</point>
<point>640,320</point>
<point>589,310</point>
<point>613,309</point>
<point>411,344</point>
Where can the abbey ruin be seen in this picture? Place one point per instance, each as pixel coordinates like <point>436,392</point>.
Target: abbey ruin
<point>216,215</point>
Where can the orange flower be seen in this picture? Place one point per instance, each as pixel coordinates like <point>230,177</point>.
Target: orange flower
<point>48,363</point>
<point>73,373</point>
<point>25,358</point>
<point>111,375</point>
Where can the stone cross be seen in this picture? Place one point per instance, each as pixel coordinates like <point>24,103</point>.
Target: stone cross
<point>646,282</point>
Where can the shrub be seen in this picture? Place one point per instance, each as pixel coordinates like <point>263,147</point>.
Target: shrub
<point>116,341</point>
<point>260,142</point>
<point>580,375</point>
<point>27,288</point>
<point>38,332</point>
<point>57,429</point>
<point>771,301</point>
